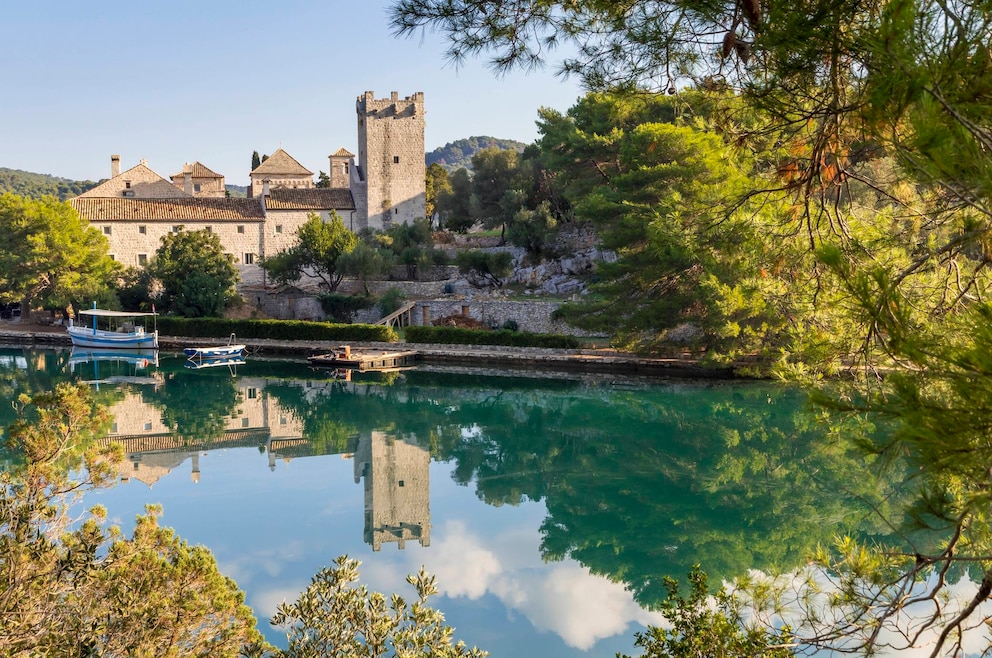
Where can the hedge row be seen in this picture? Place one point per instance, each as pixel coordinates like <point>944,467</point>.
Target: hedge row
<point>460,336</point>
<point>275,329</point>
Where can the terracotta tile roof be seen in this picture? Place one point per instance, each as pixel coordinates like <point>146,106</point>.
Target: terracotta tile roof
<point>198,171</point>
<point>138,181</point>
<point>314,199</point>
<point>282,163</point>
<point>171,210</point>
<point>343,153</point>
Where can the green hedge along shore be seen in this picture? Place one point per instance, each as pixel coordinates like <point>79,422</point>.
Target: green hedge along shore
<point>461,336</point>
<point>274,329</point>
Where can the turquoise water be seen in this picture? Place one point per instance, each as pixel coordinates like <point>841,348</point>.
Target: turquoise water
<point>550,508</point>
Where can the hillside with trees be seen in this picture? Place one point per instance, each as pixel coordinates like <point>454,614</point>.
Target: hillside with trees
<point>35,186</point>
<point>458,154</point>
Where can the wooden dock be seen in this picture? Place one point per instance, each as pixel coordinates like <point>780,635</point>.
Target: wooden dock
<point>364,359</point>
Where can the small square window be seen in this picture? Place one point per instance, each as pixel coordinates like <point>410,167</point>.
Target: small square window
<point>148,425</point>
<point>142,230</point>
<point>142,259</point>
<point>249,259</point>
<point>282,420</point>
<point>196,187</point>
<point>127,185</point>
<point>252,393</point>
<point>396,159</point>
<point>113,428</point>
<point>106,230</point>
<point>176,229</point>
<point>244,422</point>
<point>402,483</point>
<point>278,228</point>
<point>241,229</point>
<point>209,229</point>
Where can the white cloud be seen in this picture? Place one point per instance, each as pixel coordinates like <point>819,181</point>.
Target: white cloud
<point>565,599</point>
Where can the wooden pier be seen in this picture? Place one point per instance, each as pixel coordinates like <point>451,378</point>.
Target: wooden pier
<point>363,360</point>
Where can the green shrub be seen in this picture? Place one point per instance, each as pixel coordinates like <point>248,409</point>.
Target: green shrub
<point>340,307</point>
<point>391,300</point>
<point>460,336</point>
<point>274,329</point>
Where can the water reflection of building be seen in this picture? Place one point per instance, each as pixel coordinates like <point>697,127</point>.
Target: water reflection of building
<point>396,472</point>
<point>152,450</point>
<point>397,490</point>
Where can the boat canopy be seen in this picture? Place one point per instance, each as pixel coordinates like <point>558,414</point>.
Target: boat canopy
<point>101,313</point>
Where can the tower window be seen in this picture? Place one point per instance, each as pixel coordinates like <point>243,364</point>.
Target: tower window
<point>106,230</point>
<point>142,230</point>
<point>396,159</point>
<point>127,185</point>
<point>241,229</point>
<point>196,187</point>
<point>345,167</point>
<point>278,228</point>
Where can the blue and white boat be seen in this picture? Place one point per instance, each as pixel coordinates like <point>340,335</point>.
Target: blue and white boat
<point>206,352</point>
<point>114,330</point>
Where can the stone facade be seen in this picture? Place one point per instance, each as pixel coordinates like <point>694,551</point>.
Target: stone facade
<point>391,158</point>
<point>198,180</point>
<point>137,207</point>
<point>280,170</point>
<point>396,477</point>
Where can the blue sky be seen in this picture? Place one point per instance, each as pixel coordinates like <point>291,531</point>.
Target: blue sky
<point>213,81</point>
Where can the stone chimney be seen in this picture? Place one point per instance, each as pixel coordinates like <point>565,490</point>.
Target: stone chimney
<point>115,166</point>
<point>265,188</point>
<point>188,179</point>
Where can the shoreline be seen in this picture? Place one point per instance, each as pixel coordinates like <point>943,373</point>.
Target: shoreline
<point>473,356</point>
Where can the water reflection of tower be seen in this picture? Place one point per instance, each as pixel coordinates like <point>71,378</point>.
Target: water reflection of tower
<point>397,490</point>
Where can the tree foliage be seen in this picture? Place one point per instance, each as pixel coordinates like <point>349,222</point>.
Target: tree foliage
<point>438,183</point>
<point>458,154</point>
<point>39,186</point>
<point>196,274</point>
<point>335,617</point>
<point>49,255</point>
<point>485,268</point>
<point>319,246</point>
<point>454,206</point>
<point>699,628</point>
<point>859,235</point>
<point>73,588</point>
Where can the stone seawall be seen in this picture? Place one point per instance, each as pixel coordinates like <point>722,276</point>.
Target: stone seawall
<point>528,359</point>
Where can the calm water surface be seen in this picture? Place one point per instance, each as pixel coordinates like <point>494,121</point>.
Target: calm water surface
<point>551,509</point>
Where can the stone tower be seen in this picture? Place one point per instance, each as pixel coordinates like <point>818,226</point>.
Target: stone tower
<point>391,159</point>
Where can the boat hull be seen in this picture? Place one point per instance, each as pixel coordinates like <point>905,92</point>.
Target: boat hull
<point>215,352</point>
<point>85,337</point>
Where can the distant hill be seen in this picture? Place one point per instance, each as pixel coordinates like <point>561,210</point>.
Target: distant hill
<point>458,154</point>
<point>35,186</point>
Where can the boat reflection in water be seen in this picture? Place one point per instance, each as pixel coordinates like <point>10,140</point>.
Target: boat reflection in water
<point>213,362</point>
<point>119,365</point>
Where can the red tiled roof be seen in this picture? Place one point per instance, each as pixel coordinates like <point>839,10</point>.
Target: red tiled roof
<point>313,199</point>
<point>199,170</point>
<point>188,208</point>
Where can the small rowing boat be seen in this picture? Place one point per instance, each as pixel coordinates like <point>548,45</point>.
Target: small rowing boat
<point>228,351</point>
